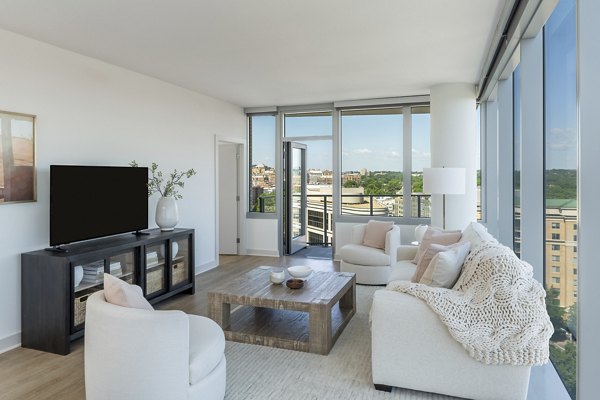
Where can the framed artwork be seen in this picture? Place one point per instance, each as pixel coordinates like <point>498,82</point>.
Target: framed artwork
<point>17,157</point>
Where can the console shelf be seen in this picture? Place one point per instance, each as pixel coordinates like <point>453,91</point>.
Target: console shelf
<point>53,306</point>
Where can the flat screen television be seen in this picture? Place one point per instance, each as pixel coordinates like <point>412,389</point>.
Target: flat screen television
<point>88,202</point>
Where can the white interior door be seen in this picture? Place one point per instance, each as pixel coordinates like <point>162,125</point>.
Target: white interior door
<point>228,198</point>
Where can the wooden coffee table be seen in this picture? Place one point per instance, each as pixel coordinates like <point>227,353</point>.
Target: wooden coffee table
<point>308,319</point>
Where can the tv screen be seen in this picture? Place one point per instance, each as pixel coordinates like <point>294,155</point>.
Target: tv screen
<point>88,202</point>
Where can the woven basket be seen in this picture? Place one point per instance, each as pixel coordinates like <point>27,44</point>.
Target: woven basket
<point>179,272</point>
<point>155,280</point>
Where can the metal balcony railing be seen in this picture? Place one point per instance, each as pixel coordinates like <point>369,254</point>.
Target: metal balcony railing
<point>320,210</point>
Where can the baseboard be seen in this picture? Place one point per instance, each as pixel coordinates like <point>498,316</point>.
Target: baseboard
<point>267,253</point>
<point>206,267</point>
<point>10,342</point>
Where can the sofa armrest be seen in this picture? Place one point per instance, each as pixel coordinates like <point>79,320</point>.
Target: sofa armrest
<point>392,242</point>
<point>406,252</point>
<point>411,348</point>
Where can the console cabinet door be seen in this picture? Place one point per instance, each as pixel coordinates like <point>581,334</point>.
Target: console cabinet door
<point>87,278</point>
<point>156,268</point>
<point>181,261</point>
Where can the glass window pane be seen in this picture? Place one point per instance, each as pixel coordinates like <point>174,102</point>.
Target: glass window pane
<point>517,159</point>
<point>319,199</point>
<point>421,158</point>
<point>308,124</point>
<point>371,166</point>
<point>261,139</point>
<point>560,115</point>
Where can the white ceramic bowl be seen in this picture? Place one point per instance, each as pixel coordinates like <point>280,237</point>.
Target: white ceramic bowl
<point>299,271</point>
<point>277,277</point>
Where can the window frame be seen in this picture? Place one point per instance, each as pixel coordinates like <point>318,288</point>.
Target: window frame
<point>406,140</point>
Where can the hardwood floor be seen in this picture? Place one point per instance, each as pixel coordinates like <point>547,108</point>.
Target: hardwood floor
<point>30,374</point>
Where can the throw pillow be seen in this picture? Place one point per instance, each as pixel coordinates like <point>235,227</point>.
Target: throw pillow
<point>437,236</point>
<point>121,293</point>
<point>375,233</point>
<point>444,268</point>
<point>475,233</point>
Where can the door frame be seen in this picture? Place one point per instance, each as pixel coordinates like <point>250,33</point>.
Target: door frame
<point>242,193</point>
<point>291,245</point>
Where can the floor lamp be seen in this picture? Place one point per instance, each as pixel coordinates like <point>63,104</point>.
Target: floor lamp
<point>444,181</point>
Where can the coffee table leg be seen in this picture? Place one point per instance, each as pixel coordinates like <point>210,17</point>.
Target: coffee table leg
<point>319,335</point>
<point>219,311</point>
<point>348,300</point>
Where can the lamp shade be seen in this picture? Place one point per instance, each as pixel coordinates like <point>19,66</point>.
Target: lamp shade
<point>444,180</point>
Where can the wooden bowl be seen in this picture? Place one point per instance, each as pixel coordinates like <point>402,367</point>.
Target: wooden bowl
<point>294,283</point>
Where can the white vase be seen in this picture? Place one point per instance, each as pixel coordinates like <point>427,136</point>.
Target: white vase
<point>167,213</point>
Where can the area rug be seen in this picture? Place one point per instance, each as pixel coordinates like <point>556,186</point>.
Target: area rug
<point>264,373</point>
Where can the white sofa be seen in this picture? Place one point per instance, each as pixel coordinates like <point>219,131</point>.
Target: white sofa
<point>372,266</point>
<point>411,348</point>
<point>135,354</point>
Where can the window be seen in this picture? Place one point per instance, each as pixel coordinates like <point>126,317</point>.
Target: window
<point>560,176</point>
<point>574,227</point>
<point>574,271</point>
<point>555,258</point>
<point>373,156</point>
<point>479,211</point>
<point>574,238</point>
<point>315,219</point>
<point>308,124</point>
<point>555,269</point>
<point>555,225</point>
<point>517,159</point>
<point>261,160</point>
<point>372,159</point>
<point>314,238</point>
<point>555,247</point>
<point>421,158</point>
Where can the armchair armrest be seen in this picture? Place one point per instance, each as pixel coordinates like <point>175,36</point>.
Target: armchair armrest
<point>406,252</point>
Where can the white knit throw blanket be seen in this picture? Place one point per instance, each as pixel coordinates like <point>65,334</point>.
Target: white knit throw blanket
<point>496,309</point>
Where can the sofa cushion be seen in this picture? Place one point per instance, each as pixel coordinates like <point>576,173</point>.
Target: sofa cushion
<point>402,271</point>
<point>121,293</point>
<point>436,236</point>
<point>475,233</point>
<point>375,233</point>
<point>445,266</point>
<point>207,346</point>
<point>364,255</point>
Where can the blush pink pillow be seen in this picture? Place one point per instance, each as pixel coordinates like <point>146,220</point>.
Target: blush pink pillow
<point>426,258</point>
<point>121,293</point>
<point>436,236</point>
<point>375,233</point>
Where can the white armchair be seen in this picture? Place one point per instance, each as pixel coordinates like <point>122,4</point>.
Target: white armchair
<point>145,354</point>
<point>372,266</point>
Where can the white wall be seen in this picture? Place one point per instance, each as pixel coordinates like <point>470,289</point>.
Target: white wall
<point>93,113</point>
<point>261,237</point>
<point>453,144</point>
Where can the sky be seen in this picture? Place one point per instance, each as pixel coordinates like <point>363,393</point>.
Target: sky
<point>373,142</point>
<point>560,89</point>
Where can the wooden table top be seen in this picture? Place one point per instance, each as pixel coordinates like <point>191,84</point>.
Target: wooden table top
<point>319,288</point>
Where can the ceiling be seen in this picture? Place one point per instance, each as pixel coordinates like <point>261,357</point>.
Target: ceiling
<point>273,52</point>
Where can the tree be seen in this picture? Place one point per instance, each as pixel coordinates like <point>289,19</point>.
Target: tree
<point>350,184</point>
<point>565,362</point>
<point>556,314</point>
